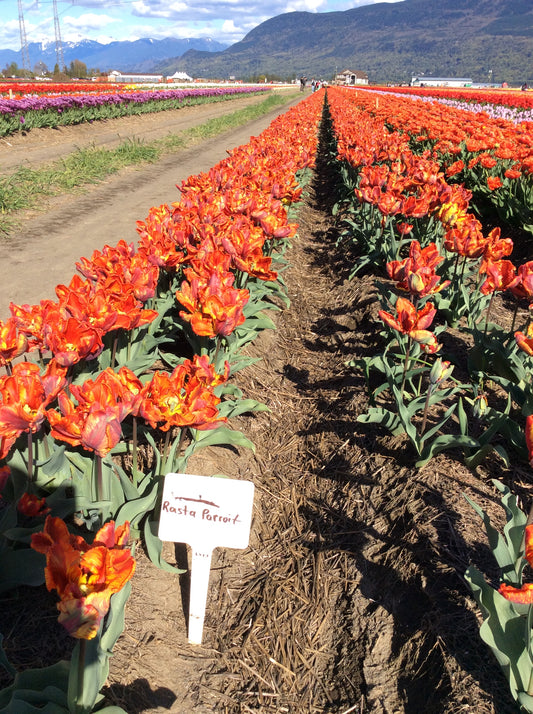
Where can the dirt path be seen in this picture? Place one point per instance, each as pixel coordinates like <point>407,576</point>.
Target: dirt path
<point>43,253</point>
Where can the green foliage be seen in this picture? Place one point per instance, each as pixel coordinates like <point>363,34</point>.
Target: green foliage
<point>507,627</point>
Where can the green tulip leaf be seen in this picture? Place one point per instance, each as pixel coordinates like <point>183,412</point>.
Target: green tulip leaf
<point>503,631</point>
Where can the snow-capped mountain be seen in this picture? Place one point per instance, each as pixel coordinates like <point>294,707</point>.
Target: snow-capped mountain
<point>141,55</point>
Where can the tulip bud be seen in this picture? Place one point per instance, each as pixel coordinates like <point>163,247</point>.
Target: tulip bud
<point>415,283</point>
<point>440,371</point>
<point>480,406</point>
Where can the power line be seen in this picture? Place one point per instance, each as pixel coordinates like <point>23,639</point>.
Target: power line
<point>25,57</point>
<point>23,39</point>
<point>59,44</point>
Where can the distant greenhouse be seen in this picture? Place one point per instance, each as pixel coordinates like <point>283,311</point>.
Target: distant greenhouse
<point>133,78</point>
<point>441,81</point>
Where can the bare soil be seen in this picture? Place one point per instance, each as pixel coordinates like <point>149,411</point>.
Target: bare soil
<point>350,597</point>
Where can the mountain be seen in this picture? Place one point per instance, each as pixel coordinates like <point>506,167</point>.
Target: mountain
<point>140,55</point>
<point>391,42</point>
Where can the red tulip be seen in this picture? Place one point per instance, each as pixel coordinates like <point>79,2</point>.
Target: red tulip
<point>32,506</point>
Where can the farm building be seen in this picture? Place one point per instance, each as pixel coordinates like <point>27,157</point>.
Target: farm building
<point>116,76</point>
<point>349,76</point>
<point>441,81</point>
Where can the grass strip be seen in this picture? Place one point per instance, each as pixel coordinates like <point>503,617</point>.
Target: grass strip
<point>26,187</point>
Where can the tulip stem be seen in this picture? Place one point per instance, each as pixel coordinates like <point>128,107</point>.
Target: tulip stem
<point>99,479</point>
<point>426,409</point>
<point>166,447</point>
<point>488,314</point>
<point>135,465</point>
<point>30,456</point>
<point>81,673</point>
<point>217,349</point>
<point>114,351</point>
<point>183,434</point>
<point>511,331</point>
<point>406,362</point>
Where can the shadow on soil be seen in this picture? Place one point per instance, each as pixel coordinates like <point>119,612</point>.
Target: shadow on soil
<point>395,522</point>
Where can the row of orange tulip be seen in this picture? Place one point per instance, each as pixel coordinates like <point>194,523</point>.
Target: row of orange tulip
<point>510,98</point>
<point>449,131</point>
<point>219,228</point>
<point>407,190</point>
<point>404,186</point>
<point>217,234</point>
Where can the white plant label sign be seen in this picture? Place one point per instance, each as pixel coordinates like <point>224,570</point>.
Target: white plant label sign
<point>205,512</point>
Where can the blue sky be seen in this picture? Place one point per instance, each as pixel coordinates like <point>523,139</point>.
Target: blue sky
<point>107,20</point>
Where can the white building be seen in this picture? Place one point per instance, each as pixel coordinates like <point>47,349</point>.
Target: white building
<point>349,76</point>
<point>441,81</point>
<point>116,76</point>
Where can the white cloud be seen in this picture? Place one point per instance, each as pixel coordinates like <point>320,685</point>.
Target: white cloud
<point>97,4</point>
<point>10,34</point>
<point>87,22</point>
<point>161,10</point>
<point>304,5</point>
<point>228,27</point>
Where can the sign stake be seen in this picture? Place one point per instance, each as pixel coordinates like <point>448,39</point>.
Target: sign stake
<point>200,571</point>
<point>207,512</point>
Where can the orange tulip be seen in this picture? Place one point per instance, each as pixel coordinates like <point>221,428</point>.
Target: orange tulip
<point>523,594</point>
<point>30,321</point>
<point>95,423</point>
<point>24,398</point>
<point>12,341</point>
<point>500,276</point>
<point>183,398</point>
<point>84,576</point>
<point>413,323</point>
<point>494,182</point>
<point>495,248</point>
<point>522,285</point>
<point>416,274</point>
<point>71,340</point>
<point>525,342</point>
<point>215,308</point>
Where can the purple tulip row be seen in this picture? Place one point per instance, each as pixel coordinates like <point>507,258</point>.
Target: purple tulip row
<point>9,107</point>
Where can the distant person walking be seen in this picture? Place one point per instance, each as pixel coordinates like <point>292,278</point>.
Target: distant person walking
<point>303,80</point>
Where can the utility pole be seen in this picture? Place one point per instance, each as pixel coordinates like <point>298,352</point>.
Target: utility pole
<point>59,45</point>
<point>23,40</point>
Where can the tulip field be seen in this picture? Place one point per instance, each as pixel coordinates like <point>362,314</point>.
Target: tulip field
<point>31,106</point>
<point>420,208</point>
